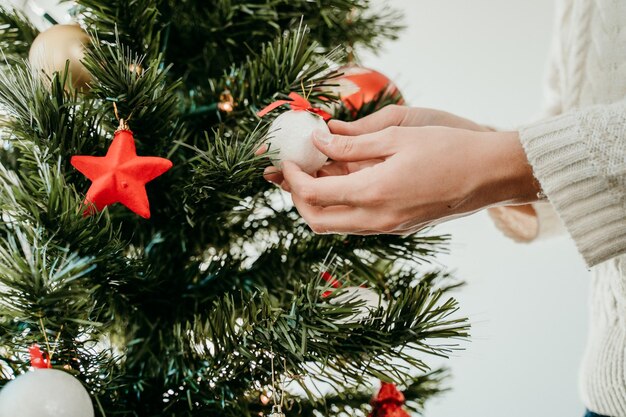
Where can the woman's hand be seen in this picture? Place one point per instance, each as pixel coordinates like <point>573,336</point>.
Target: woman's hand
<point>388,116</point>
<point>401,179</point>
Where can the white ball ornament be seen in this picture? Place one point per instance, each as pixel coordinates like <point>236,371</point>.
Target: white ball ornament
<point>45,393</point>
<point>291,135</point>
<point>369,302</point>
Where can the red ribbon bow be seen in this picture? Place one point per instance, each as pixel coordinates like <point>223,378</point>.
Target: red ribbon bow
<point>388,402</point>
<point>297,103</point>
<point>38,359</point>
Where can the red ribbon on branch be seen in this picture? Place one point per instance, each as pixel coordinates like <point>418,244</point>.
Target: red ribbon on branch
<point>297,103</point>
<point>38,359</point>
<point>388,402</point>
<point>331,281</point>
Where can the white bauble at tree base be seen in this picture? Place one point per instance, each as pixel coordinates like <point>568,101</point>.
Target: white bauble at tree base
<point>45,393</point>
<point>369,302</point>
<point>291,137</point>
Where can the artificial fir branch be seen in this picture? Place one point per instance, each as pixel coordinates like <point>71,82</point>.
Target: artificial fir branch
<point>16,34</point>
<point>356,402</point>
<point>42,214</point>
<point>136,21</point>
<point>228,171</point>
<point>289,63</point>
<point>309,333</point>
<point>48,117</point>
<point>142,91</point>
<point>203,39</point>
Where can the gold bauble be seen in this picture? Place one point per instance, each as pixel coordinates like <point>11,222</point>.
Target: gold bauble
<point>54,47</point>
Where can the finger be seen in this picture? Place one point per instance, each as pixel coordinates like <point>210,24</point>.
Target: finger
<point>334,168</point>
<point>273,174</point>
<point>262,149</point>
<point>336,219</point>
<point>375,145</point>
<point>345,168</point>
<point>326,191</point>
<point>391,115</point>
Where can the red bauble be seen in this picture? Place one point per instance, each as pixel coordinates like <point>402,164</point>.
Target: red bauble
<point>388,402</point>
<point>360,85</point>
<point>121,175</point>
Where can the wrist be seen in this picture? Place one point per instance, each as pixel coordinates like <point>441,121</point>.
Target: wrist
<point>508,177</point>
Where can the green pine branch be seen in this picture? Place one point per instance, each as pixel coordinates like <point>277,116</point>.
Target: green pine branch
<point>136,22</point>
<point>310,330</point>
<point>203,38</point>
<point>144,95</point>
<point>48,115</point>
<point>417,390</point>
<point>289,63</point>
<point>16,35</point>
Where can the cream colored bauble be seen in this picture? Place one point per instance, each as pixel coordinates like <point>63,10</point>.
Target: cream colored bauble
<point>291,135</point>
<point>54,47</point>
<point>367,299</point>
<point>45,393</point>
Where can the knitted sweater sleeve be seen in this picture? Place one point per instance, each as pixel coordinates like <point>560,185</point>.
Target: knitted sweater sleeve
<point>579,159</point>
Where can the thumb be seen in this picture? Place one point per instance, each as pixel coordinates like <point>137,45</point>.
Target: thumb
<point>352,148</point>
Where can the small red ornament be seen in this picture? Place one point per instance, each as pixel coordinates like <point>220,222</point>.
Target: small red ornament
<point>358,86</point>
<point>38,359</point>
<point>121,175</point>
<point>297,103</point>
<point>388,402</point>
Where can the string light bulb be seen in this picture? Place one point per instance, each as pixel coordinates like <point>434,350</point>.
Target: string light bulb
<point>227,102</point>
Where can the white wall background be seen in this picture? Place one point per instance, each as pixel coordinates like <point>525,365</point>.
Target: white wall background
<point>35,10</point>
<point>484,59</point>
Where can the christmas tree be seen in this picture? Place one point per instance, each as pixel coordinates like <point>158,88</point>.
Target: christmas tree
<point>143,254</point>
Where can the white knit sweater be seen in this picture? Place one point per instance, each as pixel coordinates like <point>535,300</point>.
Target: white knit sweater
<point>578,154</point>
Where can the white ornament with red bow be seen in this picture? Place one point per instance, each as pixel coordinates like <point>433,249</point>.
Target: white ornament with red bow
<point>291,134</point>
<point>45,392</point>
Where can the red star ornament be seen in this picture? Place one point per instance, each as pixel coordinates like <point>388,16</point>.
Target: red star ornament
<point>121,175</point>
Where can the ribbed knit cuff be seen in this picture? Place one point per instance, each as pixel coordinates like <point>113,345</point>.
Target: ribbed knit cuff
<point>590,206</point>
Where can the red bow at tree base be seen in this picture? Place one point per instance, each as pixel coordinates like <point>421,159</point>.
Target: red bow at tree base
<point>38,359</point>
<point>388,402</point>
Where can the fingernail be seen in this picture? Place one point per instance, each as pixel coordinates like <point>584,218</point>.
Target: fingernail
<point>323,136</point>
